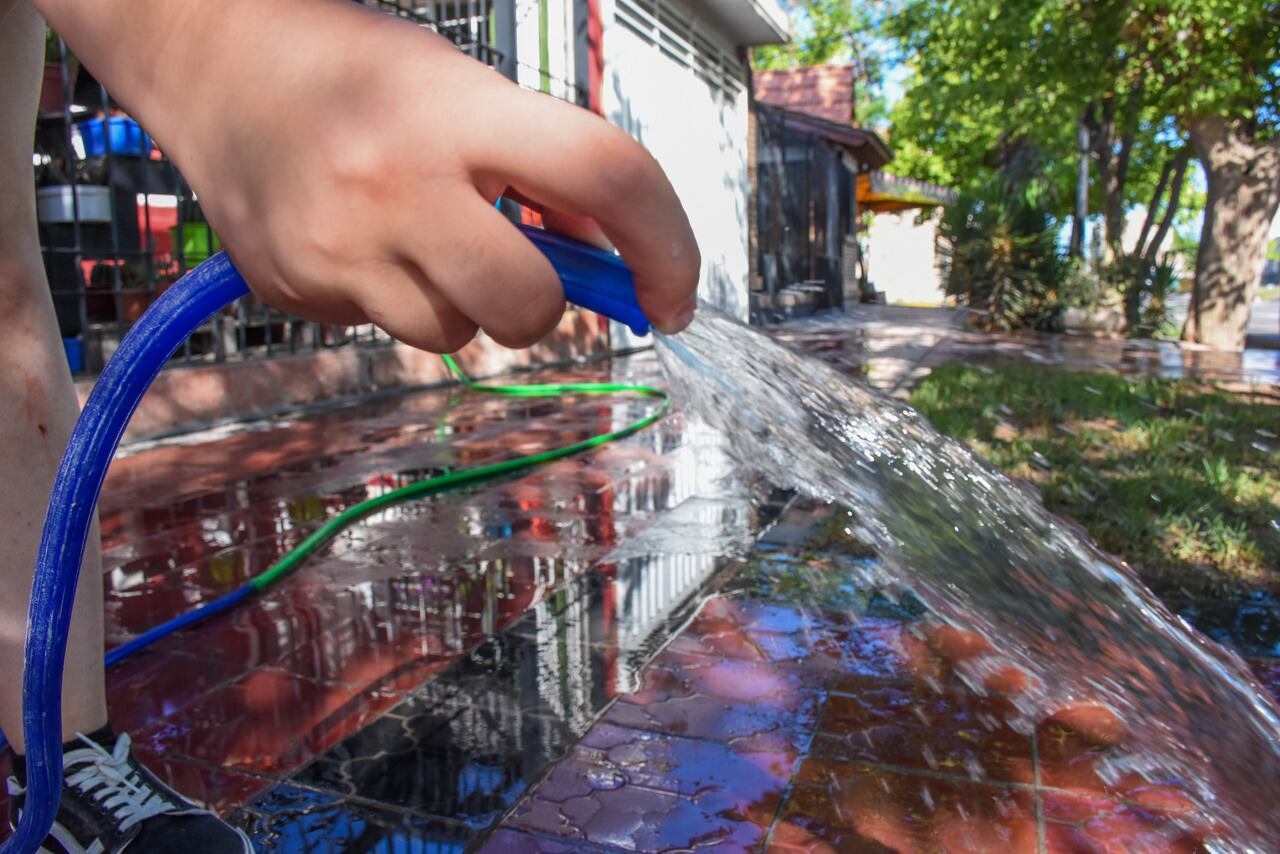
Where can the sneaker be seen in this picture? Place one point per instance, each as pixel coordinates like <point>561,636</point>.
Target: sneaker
<point>111,803</point>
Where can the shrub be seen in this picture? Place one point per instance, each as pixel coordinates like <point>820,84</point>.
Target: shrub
<point>1001,257</point>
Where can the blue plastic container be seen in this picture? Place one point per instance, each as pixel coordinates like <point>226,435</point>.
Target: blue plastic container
<point>74,349</point>
<point>127,138</point>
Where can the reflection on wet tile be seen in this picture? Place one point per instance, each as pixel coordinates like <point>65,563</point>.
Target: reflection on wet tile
<point>516,842</point>
<point>218,789</point>
<point>1089,825</point>
<point>154,685</point>
<point>437,755</point>
<point>293,819</point>
<point>627,611</point>
<point>752,631</point>
<point>884,649</point>
<point>794,836</point>
<point>681,765</point>
<point>266,722</point>
<point>644,791</point>
<point>556,675</point>
<point>746,704</point>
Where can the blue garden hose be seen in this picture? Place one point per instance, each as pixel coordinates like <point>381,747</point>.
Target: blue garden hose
<point>592,279</point>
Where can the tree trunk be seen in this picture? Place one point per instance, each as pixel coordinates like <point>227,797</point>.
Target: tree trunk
<point>1082,190</point>
<point>1120,173</point>
<point>1102,127</point>
<point>1243,192</point>
<point>1149,252</point>
<point>1145,253</point>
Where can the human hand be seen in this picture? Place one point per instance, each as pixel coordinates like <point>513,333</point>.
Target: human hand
<point>350,162</point>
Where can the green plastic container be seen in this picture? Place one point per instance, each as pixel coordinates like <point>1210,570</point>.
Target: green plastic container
<point>195,240</point>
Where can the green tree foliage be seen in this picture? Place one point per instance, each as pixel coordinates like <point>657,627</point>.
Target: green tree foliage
<point>1215,65</point>
<point>987,74</point>
<point>1141,79</point>
<point>1146,77</point>
<point>831,31</point>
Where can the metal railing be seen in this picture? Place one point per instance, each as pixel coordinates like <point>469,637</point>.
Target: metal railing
<point>118,223</point>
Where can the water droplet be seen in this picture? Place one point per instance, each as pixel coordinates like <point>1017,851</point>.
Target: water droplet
<point>930,759</point>
<point>605,779</point>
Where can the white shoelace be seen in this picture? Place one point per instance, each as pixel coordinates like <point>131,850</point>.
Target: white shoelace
<point>108,779</point>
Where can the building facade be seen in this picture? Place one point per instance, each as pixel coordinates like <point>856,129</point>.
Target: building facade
<point>675,76</point>
<point>808,157</point>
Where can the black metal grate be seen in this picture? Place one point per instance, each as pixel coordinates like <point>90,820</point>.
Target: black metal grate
<point>118,224</point>
<point>806,209</point>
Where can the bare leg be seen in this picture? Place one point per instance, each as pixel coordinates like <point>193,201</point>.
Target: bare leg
<point>37,402</point>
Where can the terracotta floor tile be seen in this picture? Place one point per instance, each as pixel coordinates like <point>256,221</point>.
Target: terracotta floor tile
<point>904,726</point>
<point>468,764</point>
<point>515,842</point>
<point>1121,831</point>
<point>845,805</point>
<point>887,649</point>
<point>152,686</point>
<point>753,631</point>
<point>258,632</point>
<point>362,653</point>
<point>622,756</point>
<point>793,836</point>
<point>554,677</point>
<point>1170,821</point>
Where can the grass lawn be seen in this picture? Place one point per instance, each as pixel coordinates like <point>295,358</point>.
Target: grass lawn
<point>1180,479</point>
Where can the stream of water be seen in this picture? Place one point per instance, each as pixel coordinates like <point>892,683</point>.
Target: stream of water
<point>983,554</point>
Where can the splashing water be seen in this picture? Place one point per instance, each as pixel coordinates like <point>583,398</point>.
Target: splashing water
<point>982,552</point>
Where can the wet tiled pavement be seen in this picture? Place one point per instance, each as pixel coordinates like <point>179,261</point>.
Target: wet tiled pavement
<point>617,652</point>
<point>776,721</point>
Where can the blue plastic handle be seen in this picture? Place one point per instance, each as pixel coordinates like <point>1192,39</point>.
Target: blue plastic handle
<point>593,279</point>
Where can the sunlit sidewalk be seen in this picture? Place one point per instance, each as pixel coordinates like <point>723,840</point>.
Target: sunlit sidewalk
<point>894,347</point>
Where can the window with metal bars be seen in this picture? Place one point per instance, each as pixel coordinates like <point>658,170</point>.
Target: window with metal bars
<point>673,33</point>
<point>118,223</point>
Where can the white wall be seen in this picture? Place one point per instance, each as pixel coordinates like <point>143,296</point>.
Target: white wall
<point>560,46</point>
<point>698,135</point>
<point>902,260</point>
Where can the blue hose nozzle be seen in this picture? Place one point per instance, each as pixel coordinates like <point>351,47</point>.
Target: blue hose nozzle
<point>592,278</point>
